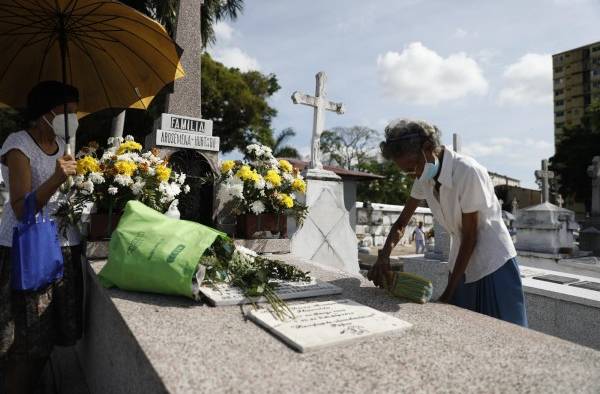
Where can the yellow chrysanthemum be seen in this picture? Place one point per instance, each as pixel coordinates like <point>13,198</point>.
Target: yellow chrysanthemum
<point>273,178</point>
<point>285,166</point>
<point>129,146</point>
<point>245,173</point>
<point>163,173</point>
<point>227,166</point>
<point>299,185</point>
<point>87,164</point>
<point>286,200</point>
<point>125,167</point>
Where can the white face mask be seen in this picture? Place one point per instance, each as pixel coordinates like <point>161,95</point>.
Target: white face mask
<point>58,124</point>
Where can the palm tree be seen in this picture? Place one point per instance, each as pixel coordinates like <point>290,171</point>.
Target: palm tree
<point>281,150</point>
<point>165,11</point>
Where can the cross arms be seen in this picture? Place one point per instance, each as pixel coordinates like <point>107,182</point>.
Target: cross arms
<point>301,98</point>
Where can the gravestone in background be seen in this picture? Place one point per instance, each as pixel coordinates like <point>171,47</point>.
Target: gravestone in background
<point>589,238</point>
<point>181,134</point>
<point>326,236</point>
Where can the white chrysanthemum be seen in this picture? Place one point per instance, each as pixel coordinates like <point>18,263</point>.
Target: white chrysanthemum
<point>269,185</point>
<point>123,180</point>
<point>230,189</point>
<point>78,179</point>
<point>151,171</point>
<point>169,191</point>
<point>113,190</point>
<point>288,177</point>
<point>260,184</point>
<point>257,207</point>
<point>87,187</point>
<point>129,138</point>
<point>137,187</point>
<point>181,179</point>
<point>110,141</point>
<point>186,189</point>
<point>96,177</point>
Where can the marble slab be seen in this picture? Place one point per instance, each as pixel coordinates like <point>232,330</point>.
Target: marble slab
<point>225,294</point>
<point>326,323</point>
<point>274,245</point>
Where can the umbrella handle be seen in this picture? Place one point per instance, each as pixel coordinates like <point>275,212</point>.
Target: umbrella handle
<point>69,182</point>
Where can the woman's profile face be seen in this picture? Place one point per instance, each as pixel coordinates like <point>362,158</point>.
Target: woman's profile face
<point>410,164</point>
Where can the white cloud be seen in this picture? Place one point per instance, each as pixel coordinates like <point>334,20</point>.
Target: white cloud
<point>419,75</point>
<point>235,57</point>
<point>528,81</point>
<point>460,33</point>
<point>526,152</point>
<point>223,32</point>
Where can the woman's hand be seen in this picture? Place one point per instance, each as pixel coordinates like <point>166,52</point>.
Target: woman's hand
<point>380,271</point>
<point>65,166</point>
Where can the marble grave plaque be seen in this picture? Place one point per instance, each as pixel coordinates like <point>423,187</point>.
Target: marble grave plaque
<point>224,294</point>
<point>595,286</point>
<point>556,279</point>
<point>319,324</point>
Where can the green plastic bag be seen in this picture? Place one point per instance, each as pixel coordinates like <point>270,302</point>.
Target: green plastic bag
<point>151,252</point>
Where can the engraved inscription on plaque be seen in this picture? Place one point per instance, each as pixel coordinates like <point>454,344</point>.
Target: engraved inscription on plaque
<point>318,324</point>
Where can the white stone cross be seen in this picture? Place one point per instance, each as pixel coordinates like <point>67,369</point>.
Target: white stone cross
<point>515,206</point>
<point>456,142</point>
<point>560,201</point>
<point>593,171</point>
<point>544,175</point>
<point>320,103</point>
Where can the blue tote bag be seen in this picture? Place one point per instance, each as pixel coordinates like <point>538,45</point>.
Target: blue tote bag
<point>36,257</point>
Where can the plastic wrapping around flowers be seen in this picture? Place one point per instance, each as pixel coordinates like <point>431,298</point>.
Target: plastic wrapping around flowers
<point>261,184</point>
<point>110,177</point>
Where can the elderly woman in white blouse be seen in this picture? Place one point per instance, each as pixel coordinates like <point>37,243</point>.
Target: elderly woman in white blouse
<point>484,273</point>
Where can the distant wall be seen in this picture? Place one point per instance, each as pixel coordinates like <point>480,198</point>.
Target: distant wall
<point>372,229</point>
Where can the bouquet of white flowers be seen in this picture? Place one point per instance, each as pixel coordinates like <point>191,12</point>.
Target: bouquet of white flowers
<point>261,184</point>
<point>121,172</point>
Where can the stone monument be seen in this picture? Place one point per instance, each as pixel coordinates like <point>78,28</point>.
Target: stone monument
<point>590,237</point>
<point>546,228</point>
<point>181,133</point>
<point>326,235</point>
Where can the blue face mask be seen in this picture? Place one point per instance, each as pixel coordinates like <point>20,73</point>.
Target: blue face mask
<point>429,169</point>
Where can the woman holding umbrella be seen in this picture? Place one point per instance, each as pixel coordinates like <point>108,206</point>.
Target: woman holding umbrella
<point>34,160</point>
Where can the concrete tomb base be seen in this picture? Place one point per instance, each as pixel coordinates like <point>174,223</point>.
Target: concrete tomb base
<point>148,343</point>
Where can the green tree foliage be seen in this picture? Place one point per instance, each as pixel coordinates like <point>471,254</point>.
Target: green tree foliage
<point>237,103</point>
<point>278,144</point>
<point>356,148</point>
<point>10,121</point>
<point>574,153</point>
<point>213,11</point>
<point>348,147</point>
<point>394,188</point>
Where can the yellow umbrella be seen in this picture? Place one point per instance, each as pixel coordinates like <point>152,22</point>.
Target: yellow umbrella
<point>116,56</point>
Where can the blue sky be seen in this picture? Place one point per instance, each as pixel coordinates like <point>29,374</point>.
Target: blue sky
<point>478,68</point>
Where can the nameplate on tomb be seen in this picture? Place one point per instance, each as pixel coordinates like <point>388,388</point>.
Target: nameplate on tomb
<point>223,294</point>
<point>325,323</point>
<point>186,140</point>
<point>185,124</point>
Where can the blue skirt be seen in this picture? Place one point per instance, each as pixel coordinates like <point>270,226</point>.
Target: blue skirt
<point>499,295</point>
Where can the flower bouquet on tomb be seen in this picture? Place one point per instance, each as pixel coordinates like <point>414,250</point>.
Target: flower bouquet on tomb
<point>261,192</point>
<point>108,178</point>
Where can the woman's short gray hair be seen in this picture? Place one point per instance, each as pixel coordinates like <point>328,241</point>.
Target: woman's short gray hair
<point>406,136</point>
